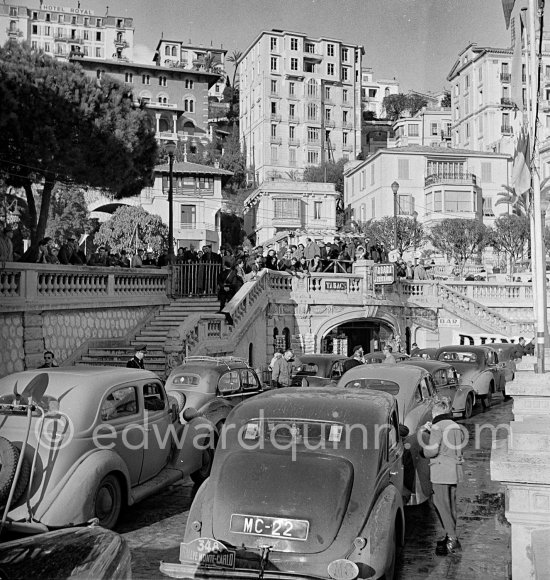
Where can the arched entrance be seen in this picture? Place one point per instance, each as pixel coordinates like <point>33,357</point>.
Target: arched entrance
<point>370,333</point>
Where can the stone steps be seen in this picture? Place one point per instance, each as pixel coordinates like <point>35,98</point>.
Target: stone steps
<point>153,335</point>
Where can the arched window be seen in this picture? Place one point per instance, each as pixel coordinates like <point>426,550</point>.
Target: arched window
<point>167,51</point>
<point>286,334</point>
<point>312,88</point>
<point>189,105</point>
<point>189,128</point>
<point>174,51</point>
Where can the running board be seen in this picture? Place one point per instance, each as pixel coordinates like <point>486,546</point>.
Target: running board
<point>165,478</point>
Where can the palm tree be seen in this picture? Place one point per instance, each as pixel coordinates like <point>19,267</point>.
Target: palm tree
<point>234,59</point>
<point>519,203</point>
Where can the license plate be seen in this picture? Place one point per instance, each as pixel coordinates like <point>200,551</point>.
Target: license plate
<point>207,552</point>
<point>270,527</point>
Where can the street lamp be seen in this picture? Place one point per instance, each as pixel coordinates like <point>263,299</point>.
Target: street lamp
<point>395,189</point>
<point>415,217</point>
<point>171,149</point>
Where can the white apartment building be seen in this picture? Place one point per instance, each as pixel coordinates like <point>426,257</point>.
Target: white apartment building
<point>64,31</point>
<point>290,206</point>
<point>373,92</point>
<point>300,102</point>
<point>483,116</point>
<point>430,126</point>
<point>177,54</point>
<point>434,183</point>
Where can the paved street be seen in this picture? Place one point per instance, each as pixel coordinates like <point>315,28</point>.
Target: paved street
<point>155,527</point>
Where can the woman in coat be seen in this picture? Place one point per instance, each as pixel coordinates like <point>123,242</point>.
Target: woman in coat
<point>445,453</point>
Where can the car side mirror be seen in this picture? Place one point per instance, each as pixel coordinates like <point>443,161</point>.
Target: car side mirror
<point>403,430</point>
<point>189,414</point>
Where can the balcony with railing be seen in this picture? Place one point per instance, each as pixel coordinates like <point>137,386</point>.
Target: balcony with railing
<point>294,142</point>
<point>506,102</point>
<point>450,178</point>
<point>121,43</point>
<point>275,117</point>
<point>198,226</point>
<point>293,119</point>
<point>505,77</point>
<point>275,140</point>
<point>330,124</point>
<point>14,32</point>
<point>314,141</point>
<point>506,130</point>
<point>347,125</point>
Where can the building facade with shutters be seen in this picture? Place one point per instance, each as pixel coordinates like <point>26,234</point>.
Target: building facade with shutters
<point>430,126</point>
<point>300,102</point>
<point>176,99</point>
<point>434,183</point>
<point>64,31</point>
<point>290,206</point>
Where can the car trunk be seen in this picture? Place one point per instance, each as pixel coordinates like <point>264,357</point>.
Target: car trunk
<point>255,487</point>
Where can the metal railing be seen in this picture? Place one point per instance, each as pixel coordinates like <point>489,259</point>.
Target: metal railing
<point>195,279</point>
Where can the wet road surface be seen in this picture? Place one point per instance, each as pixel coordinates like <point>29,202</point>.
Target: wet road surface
<point>155,527</point>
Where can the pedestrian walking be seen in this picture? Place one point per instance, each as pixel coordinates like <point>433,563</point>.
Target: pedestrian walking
<point>390,359</point>
<point>444,450</point>
<point>136,362</point>
<point>49,361</point>
<point>355,360</point>
<point>281,375</point>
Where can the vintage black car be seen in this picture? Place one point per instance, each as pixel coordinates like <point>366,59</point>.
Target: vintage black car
<point>308,484</point>
<point>317,370</point>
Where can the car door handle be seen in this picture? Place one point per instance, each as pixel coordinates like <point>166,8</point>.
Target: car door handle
<point>394,472</point>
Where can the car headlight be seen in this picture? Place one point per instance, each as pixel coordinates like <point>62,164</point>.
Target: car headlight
<point>343,569</point>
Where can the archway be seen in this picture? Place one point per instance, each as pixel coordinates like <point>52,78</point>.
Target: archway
<point>370,333</point>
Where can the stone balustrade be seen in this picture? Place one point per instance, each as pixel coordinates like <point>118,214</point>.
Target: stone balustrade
<point>25,287</point>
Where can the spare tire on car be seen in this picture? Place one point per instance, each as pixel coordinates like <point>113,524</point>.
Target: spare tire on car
<point>9,457</point>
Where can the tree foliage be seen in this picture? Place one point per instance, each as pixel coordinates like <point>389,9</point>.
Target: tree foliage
<point>69,216</point>
<point>330,173</point>
<point>233,159</point>
<point>511,236</point>
<point>446,102</point>
<point>132,228</point>
<point>410,233</point>
<point>519,204</point>
<point>401,105</point>
<point>58,125</point>
<point>459,238</point>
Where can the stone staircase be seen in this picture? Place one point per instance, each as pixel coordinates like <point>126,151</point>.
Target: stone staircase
<point>153,335</point>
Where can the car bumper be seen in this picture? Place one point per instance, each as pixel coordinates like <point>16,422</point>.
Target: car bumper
<point>191,571</point>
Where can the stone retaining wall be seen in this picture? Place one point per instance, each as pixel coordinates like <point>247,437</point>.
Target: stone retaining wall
<point>25,336</point>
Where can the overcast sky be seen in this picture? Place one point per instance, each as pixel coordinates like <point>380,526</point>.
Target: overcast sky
<point>415,41</point>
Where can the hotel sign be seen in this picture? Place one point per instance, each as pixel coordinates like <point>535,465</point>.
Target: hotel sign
<point>68,9</point>
<point>384,274</point>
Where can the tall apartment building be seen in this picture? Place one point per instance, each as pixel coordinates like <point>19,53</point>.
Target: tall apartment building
<point>300,102</point>
<point>65,31</point>
<point>177,54</point>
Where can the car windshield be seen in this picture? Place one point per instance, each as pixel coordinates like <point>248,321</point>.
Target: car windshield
<point>374,384</point>
<point>460,357</point>
<point>186,380</point>
<point>285,431</point>
<point>309,369</point>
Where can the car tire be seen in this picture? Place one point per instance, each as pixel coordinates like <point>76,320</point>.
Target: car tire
<point>487,399</point>
<point>468,407</point>
<point>203,473</point>
<point>9,457</point>
<point>108,501</point>
<point>391,571</point>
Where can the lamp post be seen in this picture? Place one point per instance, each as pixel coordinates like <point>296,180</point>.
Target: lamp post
<point>171,149</point>
<point>415,217</point>
<point>395,189</point>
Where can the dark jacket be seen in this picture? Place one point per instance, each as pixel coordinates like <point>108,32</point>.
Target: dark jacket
<point>135,363</point>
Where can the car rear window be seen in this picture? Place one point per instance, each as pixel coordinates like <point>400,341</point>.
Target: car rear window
<point>308,369</point>
<point>458,356</point>
<point>186,380</point>
<point>375,385</point>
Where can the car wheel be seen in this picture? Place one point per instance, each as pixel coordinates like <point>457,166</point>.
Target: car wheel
<point>390,572</point>
<point>108,501</point>
<point>487,399</point>
<point>204,472</point>
<point>468,407</point>
<point>9,457</point>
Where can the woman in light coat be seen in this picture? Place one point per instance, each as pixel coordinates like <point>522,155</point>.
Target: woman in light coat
<point>445,453</point>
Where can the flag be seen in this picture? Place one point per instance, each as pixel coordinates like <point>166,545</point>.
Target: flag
<point>521,167</point>
<point>508,6</point>
<point>517,68</point>
<point>82,239</point>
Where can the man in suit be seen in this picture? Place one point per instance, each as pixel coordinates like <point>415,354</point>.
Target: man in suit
<point>136,362</point>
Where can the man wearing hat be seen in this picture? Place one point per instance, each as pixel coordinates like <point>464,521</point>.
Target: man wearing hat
<point>355,360</point>
<point>136,362</point>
